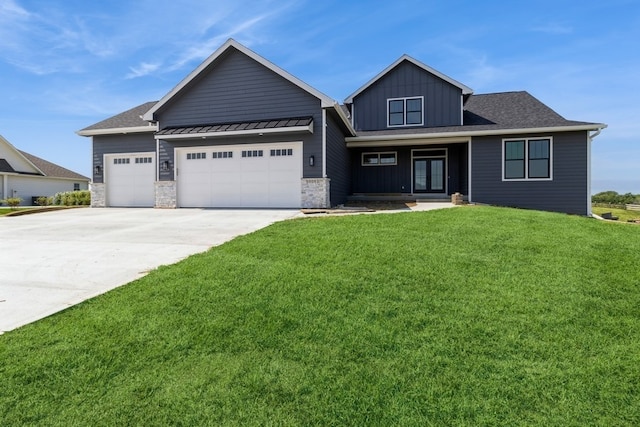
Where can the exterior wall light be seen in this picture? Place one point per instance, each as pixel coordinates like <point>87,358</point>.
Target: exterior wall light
<point>312,160</point>
<point>165,165</point>
<point>97,170</point>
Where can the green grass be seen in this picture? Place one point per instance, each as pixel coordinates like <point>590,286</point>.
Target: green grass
<point>622,214</point>
<point>468,316</point>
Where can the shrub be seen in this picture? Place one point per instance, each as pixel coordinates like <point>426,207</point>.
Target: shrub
<point>73,198</point>
<point>44,201</point>
<point>613,198</point>
<point>13,202</point>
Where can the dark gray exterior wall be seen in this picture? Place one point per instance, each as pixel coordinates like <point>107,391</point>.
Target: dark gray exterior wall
<point>397,178</point>
<point>238,89</point>
<point>567,192</point>
<point>442,100</point>
<point>338,163</point>
<point>111,144</point>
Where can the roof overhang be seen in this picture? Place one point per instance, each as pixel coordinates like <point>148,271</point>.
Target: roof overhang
<point>272,127</point>
<point>461,136</point>
<point>231,43</point>
<point>344,119</point>
<point>116,131</point>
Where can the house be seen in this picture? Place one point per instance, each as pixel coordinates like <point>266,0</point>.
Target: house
<point>239,131</point>
<point>28,177</point>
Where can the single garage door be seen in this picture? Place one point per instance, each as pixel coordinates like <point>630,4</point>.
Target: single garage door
<point>260,175</point>
<point>129,180</point>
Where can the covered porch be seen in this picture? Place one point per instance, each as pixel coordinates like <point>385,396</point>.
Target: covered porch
<point>409,170</point>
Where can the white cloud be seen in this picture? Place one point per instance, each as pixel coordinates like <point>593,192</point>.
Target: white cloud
<point>145,68</point>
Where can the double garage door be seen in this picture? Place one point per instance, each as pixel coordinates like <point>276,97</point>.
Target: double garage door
<point>259,175</point>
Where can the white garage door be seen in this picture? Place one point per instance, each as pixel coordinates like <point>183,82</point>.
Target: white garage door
<point>129,180</point>
<point>260,175</point>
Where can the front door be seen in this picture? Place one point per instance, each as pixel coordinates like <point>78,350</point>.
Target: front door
<point>428,175</point>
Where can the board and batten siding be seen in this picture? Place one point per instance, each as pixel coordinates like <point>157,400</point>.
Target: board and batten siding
<point>567,192</point>
<point>114,144</point>
<point>442,100</point>
<point>338,164</point>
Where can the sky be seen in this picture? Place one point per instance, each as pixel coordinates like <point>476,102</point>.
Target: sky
<point>67,64</point>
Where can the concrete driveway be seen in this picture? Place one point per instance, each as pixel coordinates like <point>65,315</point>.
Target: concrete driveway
<point>51,261</point>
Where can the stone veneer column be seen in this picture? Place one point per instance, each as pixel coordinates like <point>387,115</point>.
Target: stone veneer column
<point>97,195</point>
<point>166,194</point>
<point>315,193</point>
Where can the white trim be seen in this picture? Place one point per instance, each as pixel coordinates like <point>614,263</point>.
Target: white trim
<point>526,158</point>
<point>324,144</point>
<point>406,142</point>
<point>114,131</point>
<point>470,170</point>
<point>589,212</point>
<point>404,111</point>
<point>446,168</point>
<point>291,129</point>
<point>157,160</point>
<point>391,139</point>
<point>231,43</point>
<point>465,89</point>
<point>345,119</point>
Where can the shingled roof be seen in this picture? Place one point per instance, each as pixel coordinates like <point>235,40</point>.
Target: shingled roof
<point>130,119</point>
<point>496,112</point>
<point>51,169</point>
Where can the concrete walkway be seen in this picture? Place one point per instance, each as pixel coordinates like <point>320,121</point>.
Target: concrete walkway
<point>51,261</point>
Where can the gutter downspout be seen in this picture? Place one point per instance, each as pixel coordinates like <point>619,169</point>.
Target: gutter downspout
<point>590,138</point>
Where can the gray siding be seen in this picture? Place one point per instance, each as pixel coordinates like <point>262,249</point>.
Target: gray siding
<point>442,100</point>
<point>235,89</point>
<point>567,192</point>
<point>129,143</point>
<point>337,162</point>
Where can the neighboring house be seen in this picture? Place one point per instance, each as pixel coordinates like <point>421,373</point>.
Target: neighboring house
<point>241,132</point>
<point>26,176</point>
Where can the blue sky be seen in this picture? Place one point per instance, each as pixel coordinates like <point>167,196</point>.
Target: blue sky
<point>66,64</point>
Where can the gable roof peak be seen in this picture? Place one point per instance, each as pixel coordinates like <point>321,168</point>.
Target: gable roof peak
<point>465,89</point>
<point>326,101</point>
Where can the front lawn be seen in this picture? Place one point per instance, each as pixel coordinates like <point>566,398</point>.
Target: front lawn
<point>466,316</point>
<point>622,214</point>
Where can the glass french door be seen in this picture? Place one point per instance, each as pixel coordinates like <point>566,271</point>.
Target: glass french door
<point>428,175</point>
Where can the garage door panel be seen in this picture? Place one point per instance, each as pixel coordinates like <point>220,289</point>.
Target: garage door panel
<point>248,176</point>
<point>129,180</point>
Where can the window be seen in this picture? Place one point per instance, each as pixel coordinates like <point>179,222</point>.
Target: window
<point>222,155</point>
<point>143,160</point>
<point>121,161</point>
<point>76,186</point>
<point>252,153</point>
<point>380,159</point>
<point>405,111</point>
<point>283,152</point>
<point>527,159</point>
<point>196,156</point>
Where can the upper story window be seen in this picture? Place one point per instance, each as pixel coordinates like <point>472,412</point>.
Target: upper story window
<point>527,159</point>
<point>405,111</point>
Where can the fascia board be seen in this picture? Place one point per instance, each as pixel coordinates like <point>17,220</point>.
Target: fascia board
<point>414,136</point>
<point>114,131</point>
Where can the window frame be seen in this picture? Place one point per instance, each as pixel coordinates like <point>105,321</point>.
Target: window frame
<point>404,111</point>
<point>527,158</point>
<point>379,157</point>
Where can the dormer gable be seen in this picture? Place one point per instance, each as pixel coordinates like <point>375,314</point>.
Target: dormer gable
<point>408,94</point>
